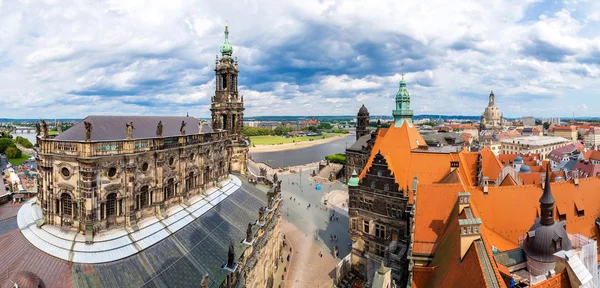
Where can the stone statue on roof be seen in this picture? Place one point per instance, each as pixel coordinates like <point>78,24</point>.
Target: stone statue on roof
<point>38,129</point>
<point>159,129</point>
<point>44,129</point>
<point>275,178</point>
<point>204,283</point>
<point>249,233</point>
<point>270,201</point>
<point>88,130</point>
<point>261,214</point>
<point>129,130</point>
<point>182,129</point>
<point>58,127</point>
<point>230,256</point>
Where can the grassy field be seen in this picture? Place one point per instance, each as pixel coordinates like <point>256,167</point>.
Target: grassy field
<point>273,140</point>
<point>18,161</point>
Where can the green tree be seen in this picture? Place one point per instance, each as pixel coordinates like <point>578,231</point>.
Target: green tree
<point>336,158</point>
<point>6,143</point>
<point>24,142</point>
<point>546,125</point>
<point>312,128</point>
<point>13,153</point>
<point>5,134</point>
<point>281,130</point>
<point>324,126</point>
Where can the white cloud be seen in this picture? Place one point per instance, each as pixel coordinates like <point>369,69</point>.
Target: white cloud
<point>71,59</point>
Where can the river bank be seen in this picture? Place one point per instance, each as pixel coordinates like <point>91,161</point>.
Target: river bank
<point>297,145</point>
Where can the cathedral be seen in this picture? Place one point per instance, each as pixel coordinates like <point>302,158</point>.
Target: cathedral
<point>492,118</point>
<point>113,171</point>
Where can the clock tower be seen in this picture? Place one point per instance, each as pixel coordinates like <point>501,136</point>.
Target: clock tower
<point>227,107</point>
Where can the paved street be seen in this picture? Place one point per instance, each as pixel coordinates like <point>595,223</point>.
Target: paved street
<point>314,221</point>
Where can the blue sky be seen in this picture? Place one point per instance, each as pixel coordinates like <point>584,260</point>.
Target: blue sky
<point>71,59</point>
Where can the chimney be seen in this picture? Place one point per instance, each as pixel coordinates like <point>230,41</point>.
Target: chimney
<point>414,188</point>
<point>469,232</point>
<point>485,184</point>
<point>463,201</point>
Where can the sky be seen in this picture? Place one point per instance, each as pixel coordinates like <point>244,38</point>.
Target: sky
<point>70,59</point>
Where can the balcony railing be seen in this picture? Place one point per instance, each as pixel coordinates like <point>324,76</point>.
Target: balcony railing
<point>93,149</point>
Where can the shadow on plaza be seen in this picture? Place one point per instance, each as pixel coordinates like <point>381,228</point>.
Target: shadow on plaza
<point>338,228</point>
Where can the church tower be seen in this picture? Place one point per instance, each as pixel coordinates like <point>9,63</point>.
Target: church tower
<point>227,107</point>
<point>402,113</point>
<point>362,122</point>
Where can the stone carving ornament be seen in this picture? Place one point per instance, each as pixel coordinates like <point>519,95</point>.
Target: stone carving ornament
<point>129,130</point>
<point>88,130</point>
<point>38,129</point>
<point>261,214</point>
<point>230,256</point>
<point>249,233</point>
<point>44,128</point>
<point>182,129</point>
<point>204,283</point>
<point>159,129</point>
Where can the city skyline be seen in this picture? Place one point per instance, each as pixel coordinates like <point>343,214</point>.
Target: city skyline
<point>310,59</point>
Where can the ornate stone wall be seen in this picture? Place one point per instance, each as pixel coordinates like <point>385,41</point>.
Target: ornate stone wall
<point>106,184</point>
<point>262,257</point>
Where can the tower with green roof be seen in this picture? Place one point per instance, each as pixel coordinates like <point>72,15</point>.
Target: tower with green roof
<point>227,105</point>
<point>402,113</point>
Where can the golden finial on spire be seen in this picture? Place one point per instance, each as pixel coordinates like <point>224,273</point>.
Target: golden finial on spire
<point>226,24</point>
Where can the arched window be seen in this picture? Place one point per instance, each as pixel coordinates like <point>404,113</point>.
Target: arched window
<point>66,205</point>
<point>111,203</point>
<point>144,197</point>
<point>169,189</point>
<point>190,182</point>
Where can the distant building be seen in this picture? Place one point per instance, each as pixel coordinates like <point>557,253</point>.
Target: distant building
<point>568,132</point>
<point>531,131</point>
<point>362,122</point>
<point>542,145</point>
<point>528,121</point>
<point>492,118</point>
<point>563,154</point>
<point>591,137</point>
<point>552,120</point>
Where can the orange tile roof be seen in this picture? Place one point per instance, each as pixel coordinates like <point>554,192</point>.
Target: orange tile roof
<point>395,144</point>
<point>559,280</point>
<point>434,203</point>
<point>450,270</point>
<point>491,166</point>
<point>592,155</point>
<point>565,128</point>
<point>505,209</point>
<point>508,181</point>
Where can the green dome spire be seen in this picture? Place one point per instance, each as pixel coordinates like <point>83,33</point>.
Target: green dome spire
<point>353,182</point>
<point>226,49</point>
<point>402,113</point>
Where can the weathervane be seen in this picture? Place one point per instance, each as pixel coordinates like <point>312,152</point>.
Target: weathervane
<point>401,69</point>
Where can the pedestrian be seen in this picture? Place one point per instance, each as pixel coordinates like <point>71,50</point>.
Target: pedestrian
<point>288,258</point>
<point>330,237</point>
<point>290,249</point>
<point>284,269</point>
